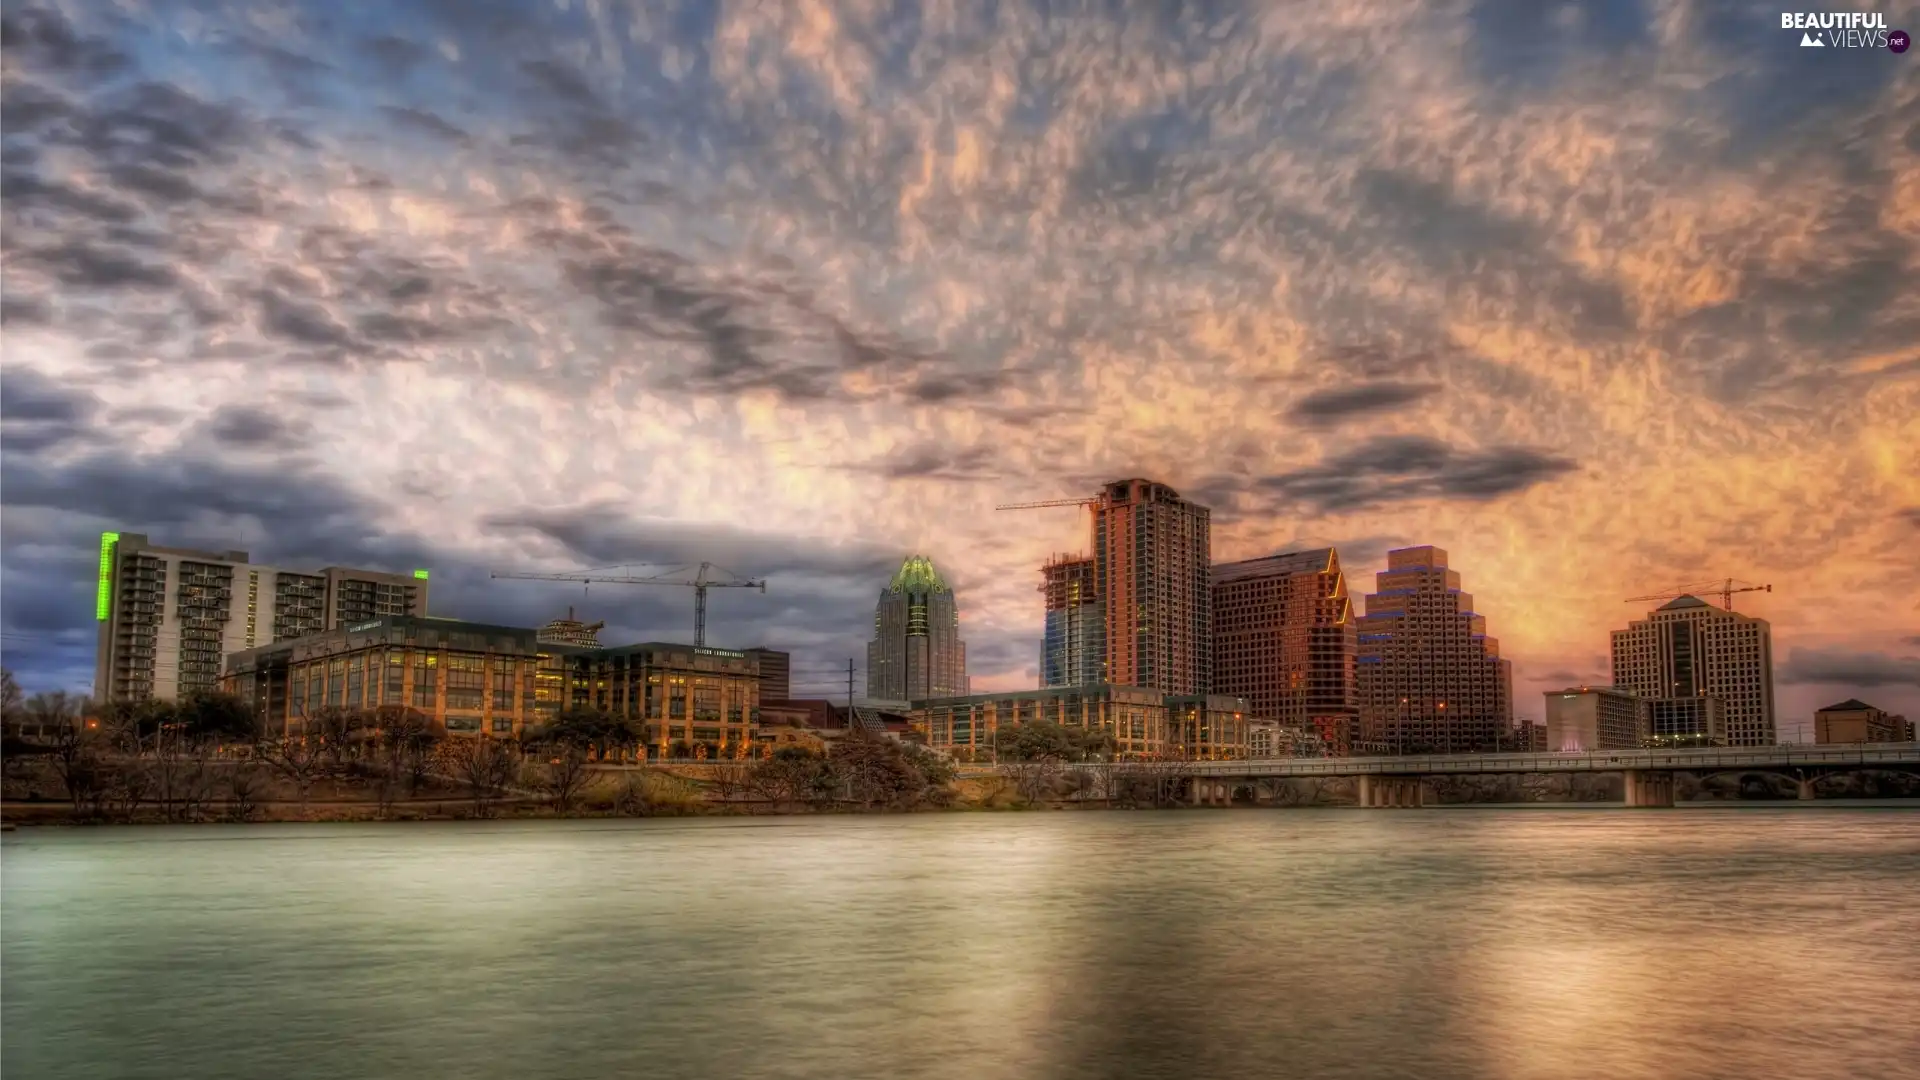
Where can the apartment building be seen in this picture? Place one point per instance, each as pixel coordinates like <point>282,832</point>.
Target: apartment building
<point>168,617</point>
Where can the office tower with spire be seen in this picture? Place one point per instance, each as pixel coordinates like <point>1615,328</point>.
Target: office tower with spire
<point>1431,679</point>
<point>916,652</point>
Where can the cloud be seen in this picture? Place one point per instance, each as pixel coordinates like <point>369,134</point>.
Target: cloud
<point>1836,667</point>
<point>765,268</point>
<point>1335,404</point>
<point>1399,468</point>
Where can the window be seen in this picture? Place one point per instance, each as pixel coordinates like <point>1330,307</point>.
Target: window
<point>502,725</point>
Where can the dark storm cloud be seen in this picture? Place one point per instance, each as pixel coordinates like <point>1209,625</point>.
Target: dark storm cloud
<point>1841,668</point>
<point>934,462</point>
<point>25,311</point>
<point>1399,468</point>
<point>244,426</point>
<point>1334,404</point>
<point>39,37</point>
<point>90,266</point>
<point>300,320</point>
<point>758,335</point>
<point>396,56</point>
<point>39,412</point>
<point>427,121</point>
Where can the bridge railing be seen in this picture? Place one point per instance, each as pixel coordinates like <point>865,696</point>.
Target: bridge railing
<point>1689,759</point>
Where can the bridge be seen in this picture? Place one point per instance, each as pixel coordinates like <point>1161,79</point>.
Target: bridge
<point>1399,781</point>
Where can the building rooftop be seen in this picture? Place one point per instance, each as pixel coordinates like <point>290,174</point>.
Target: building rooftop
<point>917,574</point>
<point>1682,603</point>
<point>1314,561</point>
<point>1849,705</point>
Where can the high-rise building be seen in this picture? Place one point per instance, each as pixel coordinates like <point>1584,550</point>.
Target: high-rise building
<point>916,652</point>
<point>1073,651</point>
<point>1688,648</point>
<point>1152,556</point>
<point>1584,718</point>
<point>1284,639</point>
<point>776,673</point>
<point>1431,680</point>
<point>169,616</point>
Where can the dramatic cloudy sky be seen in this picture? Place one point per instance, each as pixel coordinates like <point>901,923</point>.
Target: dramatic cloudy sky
<point>1601,297</point>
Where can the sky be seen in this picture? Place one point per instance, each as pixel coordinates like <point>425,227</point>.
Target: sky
<point>1602,298</point>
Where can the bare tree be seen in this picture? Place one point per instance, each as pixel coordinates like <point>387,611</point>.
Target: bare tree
<point>244,787</point>
<point>299,760</point>
<point>561,774</point>
<point>74,752</point>
<point>487,767</point>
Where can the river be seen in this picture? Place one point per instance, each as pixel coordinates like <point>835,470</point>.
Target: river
<point>1505,944</point>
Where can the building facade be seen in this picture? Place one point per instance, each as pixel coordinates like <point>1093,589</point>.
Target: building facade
<point>168,617</point>
<point>1855,721</point>
<point>1145,724</point>
<point>1284,638</point>
<point>1689,648</point>
<point>1430,678</point>
<point>1073,648</point>
<point>1685,721</point>
<point>465,678</point>
<point>1588,718</point>
<point>965,726</point>
<point>475,679</point>
<point>916,650</point>
<point>776,673</point>
<point>1152,558</point>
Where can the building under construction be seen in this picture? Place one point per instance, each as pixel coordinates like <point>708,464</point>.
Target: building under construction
<point>1073,650</point>
<point>571,631</point>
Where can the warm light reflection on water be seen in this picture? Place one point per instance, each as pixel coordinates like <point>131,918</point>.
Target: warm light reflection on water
<point>1520,944</point>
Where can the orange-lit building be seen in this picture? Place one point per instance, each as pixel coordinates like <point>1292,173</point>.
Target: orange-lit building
<point>1284,639</point>
<point>473,679</point>
<point>1145,724</point>
<point>1152,553</point>
<point>1431,679</point>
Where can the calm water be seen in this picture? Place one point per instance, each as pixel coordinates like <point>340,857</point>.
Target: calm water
<point>1508,944</point>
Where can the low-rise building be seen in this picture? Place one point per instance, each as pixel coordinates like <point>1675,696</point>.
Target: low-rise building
<point>473,678</point>
<point>1855,721</point>
<point>1699,720</point>
<point>1587,718</point>
<point>465,678</point>
<point>1144,724</point>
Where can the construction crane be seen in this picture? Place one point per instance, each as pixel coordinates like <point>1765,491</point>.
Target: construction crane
<point>1725,588</point>
<point>1047,503</point>
<point>700,582</point>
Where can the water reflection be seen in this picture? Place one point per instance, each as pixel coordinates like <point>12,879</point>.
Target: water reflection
<point>1498,944</point>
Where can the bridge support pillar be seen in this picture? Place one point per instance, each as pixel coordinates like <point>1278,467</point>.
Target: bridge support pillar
<point>1806,789</point>
<point>1395,792</point>
<point>1648,788</point>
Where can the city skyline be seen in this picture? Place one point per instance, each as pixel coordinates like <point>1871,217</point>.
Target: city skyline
<point>383,290</point>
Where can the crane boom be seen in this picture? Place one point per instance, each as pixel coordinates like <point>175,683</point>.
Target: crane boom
<point>1047,503</point>
<point>699,582</point>
<point>1725,588</point>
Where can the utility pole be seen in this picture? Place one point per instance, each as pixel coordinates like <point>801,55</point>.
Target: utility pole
<point>849,693</point>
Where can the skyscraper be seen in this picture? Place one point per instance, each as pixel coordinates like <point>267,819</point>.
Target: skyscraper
<point>1151,562</point>
<point>170,616</point>
<point>1688,648</point>
<point>916,652</point>
<point>1430,679</point>
<point>1073,651</point>
<point>1284,639</point>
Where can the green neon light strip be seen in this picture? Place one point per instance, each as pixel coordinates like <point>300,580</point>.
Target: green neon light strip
<point>103,597</point>
<point>421,574</point>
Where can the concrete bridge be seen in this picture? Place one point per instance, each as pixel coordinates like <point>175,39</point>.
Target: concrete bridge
<point>1398,781</point>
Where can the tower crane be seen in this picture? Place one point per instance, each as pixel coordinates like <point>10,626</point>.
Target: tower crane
<point>1724,588</point>
<point>1049,502</point>
<point>699,582</point>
